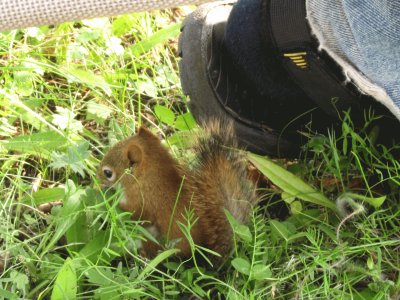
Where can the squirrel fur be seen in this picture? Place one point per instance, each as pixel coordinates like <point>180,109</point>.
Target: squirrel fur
<point>157,187</point>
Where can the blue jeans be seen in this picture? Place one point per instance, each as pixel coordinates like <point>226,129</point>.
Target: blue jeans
<point>363,36</point>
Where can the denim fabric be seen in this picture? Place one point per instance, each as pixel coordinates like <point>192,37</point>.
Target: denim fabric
<point>363,36</point>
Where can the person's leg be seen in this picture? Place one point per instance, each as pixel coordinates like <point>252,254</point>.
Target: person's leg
<point>364,39</point>
<point>244,68</point>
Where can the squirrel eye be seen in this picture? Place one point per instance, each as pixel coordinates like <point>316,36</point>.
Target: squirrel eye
<point>108,173</point>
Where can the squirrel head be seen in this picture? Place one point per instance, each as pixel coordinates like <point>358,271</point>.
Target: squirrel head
<point>125,157</point>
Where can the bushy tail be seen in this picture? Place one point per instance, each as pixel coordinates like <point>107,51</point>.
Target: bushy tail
<point>225,166</point>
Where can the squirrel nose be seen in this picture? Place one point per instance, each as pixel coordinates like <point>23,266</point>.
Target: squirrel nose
<point>105,186</point>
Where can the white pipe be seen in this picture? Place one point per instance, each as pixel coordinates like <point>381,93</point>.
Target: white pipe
<point>16,14</point>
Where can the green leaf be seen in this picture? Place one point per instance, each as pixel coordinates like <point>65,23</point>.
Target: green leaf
<point>33,65</point>
<point>164,114</point>
<point>287,197</point>
<point>78,234</point>
<point>65,119</point>
<point>146,86</point>
<point>20,280</point>
<point>165,76</point>
<point>185,122</point>
<point>370,263</point>
<point>172,293</point>
<point>261,272</point>
<point>172,265</point>
<point>92,250</point>
<point>74,158</point>
<point>305,218</point>
<point>65,286</point>
<point>97,111</point>
<point>87,34</point>
<point>317,143</point>
<point>89,78</point>
<point>182,139</point>
<point>375,202</point>
<point>37,143</point>
<point>159,37</point>
<point>29,220</point>
<point>27,116</point>
<point>281,230</point>
<point>242,231</point>
<point>187,276</point>
<point>199,291</point>
<point>151,266</point>
<point>45,196</point>
<point>366,294</point>
<point>7,295</point>
<point>289,183</point>
<point>122,25</point>
<point>241,265</point>
<point>73,204</point>
<point>76,51</point>
<point>23,84</point>
<point>147,234</point>
<point>296,207</point>
<point>100,276</point>
<point>328,231</point>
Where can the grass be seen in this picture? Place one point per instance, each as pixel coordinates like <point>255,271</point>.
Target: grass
<point>69,92</point>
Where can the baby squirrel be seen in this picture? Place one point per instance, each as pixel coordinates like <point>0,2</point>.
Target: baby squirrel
<point>160,190</point>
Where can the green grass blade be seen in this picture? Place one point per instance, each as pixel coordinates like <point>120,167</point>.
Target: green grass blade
<point>45,196</point>
<point>375,202</point>
<point>35,143</point>
<point>159,37</point>
<point>290,183</point>
<point>151,266</point>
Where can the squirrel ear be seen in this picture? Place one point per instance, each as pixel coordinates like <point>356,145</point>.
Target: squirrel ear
<point>145,133</point>
<point>134,153</point>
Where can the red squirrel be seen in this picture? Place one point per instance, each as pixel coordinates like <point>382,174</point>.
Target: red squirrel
<point>160,190</point>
